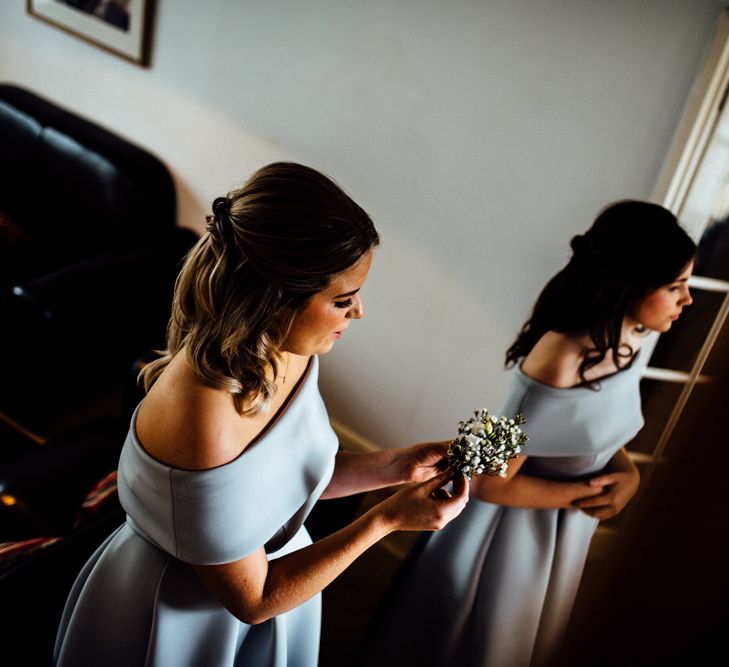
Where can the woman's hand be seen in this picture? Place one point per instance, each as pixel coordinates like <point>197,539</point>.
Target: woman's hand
<point>619,486</point>
<point>366,471</point>
<point>427,505</point>
<point>418,463</point>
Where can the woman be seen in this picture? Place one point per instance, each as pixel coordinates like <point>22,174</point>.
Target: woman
<point>496,587</point>
<point>231,447</point>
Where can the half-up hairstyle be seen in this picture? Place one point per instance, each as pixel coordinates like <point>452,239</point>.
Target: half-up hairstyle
<point>269,246</point>
<point>632,248</point>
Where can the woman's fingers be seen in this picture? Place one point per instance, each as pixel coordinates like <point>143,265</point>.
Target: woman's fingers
<point>442,505</point>
<point>427,505</point>
<point>435,483</point>
<point>442,464</point>
<point>460,486</point>
<point>603,480</point>
<point>595,501</point>
<point>452,503</point>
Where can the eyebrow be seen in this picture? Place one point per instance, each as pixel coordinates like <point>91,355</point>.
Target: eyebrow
<point>352,293</point>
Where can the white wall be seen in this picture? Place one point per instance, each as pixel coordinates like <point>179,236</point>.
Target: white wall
<point>480,135</point>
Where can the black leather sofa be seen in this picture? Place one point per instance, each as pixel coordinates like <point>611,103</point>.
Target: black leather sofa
<point>89,250</point>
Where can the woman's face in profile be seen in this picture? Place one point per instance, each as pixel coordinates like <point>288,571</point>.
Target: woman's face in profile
<point>329,312</point>
<point>660,308</point>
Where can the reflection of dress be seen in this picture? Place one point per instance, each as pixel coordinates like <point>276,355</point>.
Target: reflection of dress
<point>139,602</point>
<point>495,587</point>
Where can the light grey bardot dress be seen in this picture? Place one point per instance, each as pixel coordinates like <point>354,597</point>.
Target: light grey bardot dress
<point>139,602</point>
<point>495,587</point>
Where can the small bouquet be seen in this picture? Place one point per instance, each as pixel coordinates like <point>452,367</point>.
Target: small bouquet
<point>486,443</point>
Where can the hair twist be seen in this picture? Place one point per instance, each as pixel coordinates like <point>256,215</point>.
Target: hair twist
<point>219,226</point>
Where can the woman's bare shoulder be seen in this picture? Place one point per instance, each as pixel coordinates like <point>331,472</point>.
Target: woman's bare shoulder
<point>555,360</point>
<point>185,424</point>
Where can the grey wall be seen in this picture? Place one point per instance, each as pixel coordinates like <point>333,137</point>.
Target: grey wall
<point>479,135</point>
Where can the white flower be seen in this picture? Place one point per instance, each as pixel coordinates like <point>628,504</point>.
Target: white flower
<point>485,444</point>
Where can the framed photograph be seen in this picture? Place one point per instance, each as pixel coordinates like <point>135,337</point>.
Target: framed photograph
<point>119,26</point>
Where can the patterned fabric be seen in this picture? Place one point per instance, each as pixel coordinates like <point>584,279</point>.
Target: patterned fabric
<point>104,491</point>
<point>13,552</point>
<point>98,499</point>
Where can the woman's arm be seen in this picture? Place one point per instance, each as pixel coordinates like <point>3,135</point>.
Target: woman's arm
<point>357,472</point>
<point>518,489</point>
<point>255,589</point>
<point>618,485</point>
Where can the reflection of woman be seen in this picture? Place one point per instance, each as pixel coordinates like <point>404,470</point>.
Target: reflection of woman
<point>496,587</point>
<point>232,446</point>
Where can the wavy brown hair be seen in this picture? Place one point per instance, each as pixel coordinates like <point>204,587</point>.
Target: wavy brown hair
<point>269,246</point>
<point>633,247</point>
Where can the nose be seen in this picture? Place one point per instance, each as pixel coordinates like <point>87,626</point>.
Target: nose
<point>356,310</point>
<point>687,299</point>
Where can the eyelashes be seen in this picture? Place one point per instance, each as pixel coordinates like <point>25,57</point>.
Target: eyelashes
<point>343,304</point>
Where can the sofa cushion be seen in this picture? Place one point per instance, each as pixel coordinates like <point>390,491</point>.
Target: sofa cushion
<point>88,198</point>
<point>69,198</point>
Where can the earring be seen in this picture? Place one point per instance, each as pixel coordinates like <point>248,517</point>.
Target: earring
<point>641,330</point>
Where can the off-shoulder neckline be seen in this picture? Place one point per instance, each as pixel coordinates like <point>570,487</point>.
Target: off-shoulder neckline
<point>290,399</point>
<point>582,386</point>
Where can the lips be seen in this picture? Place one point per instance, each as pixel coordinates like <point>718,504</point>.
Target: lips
<point>338,334</point>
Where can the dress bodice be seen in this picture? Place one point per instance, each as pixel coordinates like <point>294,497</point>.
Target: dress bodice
<point>575,431</point>
<point>262,497</point>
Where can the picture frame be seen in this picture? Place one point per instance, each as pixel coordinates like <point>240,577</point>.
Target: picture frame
<point>121,27</point>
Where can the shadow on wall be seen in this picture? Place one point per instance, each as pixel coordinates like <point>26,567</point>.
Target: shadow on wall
<point>192,209</point>
<point>661,601</point>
